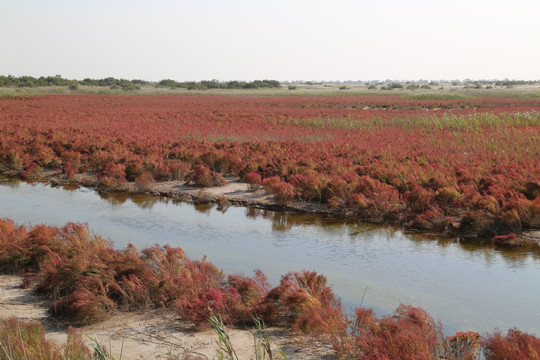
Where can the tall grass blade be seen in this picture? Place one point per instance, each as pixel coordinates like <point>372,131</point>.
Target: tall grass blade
<point>224,341</point>
<point>22,341</point>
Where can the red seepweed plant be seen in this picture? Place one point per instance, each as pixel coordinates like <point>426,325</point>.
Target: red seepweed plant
<point>515,345</point>
<point>26,340</point>
<point>254,180</point>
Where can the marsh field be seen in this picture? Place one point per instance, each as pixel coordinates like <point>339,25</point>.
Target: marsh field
<point>351,202</point>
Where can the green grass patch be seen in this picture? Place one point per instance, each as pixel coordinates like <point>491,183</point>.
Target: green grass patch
<point>436,96</point>
<point>434,122</point>
<point>524,95</point>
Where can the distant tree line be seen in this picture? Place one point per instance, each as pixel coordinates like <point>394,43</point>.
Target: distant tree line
<point>515,82</point>
<point>30,81</point>
<point>215,84</point>
<point>113,83</point>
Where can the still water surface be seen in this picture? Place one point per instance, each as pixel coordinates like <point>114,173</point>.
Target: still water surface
<point>466,286</point>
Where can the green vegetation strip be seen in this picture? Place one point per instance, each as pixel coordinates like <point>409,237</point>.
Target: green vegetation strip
<point>433,122</point>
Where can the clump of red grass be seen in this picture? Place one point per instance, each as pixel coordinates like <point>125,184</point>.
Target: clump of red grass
<point>22,340</point>
<point>85,278</point>
<point>408,334</point>
<point>304,300</point>
<point>412,334</point>
<point>463,346</point>
<point>203,176</point>
<point>515,345</point>
<point>283,192</point>
<point>254,180</point>
<point>145,180</point>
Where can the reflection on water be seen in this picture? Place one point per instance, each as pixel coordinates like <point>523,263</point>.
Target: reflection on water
<point>70,187</point>
<point>203,208</point>
<point>12,184</point>
<point>469,285</point>
<point>115,199</point>
<point>283,221</point>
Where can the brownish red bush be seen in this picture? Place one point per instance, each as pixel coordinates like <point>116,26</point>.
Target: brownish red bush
<point>409,334</point>
<point>145,180</point>
<point>516,345</point>
<point>22,340</point>
<point>307,302</point>
<point>283,192</point>
<point>203,176</point>
<point>254,180</point>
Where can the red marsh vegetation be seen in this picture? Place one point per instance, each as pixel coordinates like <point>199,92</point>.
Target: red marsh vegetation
<point>464,166</point>
<point>85,279</point>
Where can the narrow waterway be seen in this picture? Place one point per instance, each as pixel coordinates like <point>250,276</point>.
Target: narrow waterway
<point>466,286</point>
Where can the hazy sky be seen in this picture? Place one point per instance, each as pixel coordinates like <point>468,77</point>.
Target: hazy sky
<point>282,40</point>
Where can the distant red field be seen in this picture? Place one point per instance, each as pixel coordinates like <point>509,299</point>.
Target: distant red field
<point>469,166</point>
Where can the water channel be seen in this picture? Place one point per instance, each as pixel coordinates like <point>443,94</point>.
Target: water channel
<point>467,286</point>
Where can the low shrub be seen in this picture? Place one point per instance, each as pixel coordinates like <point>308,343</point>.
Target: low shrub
<point>477,222</point>
<point>71,163</point>
<point>145,180</point>
<point>221,162</point>
<point>490,204</point>
<point>527,210</point>
<point>178,169</point>
<point>409,334</point>
<point>12,246</point>
<point>358,201</point>
<point>306,300</point>
<point>87,303</point>
<point>203,176</point>
<point>254,181</point>
<point>447,196</point>
<point>31,171</point>
<point>335,202</point>
<point>432,219</point>
<point>267,183</point>
<point>462,346</point>
<point>532,190</point>
<point>114,172</point>
<point>22,340</point>
<point>283,192</point>
<point>516,345</point>
<point>382,200</point>
<point>418,199</point>
<point>200,291</point>
<point>245,296</point>
<point>340,187</point>
<point>510,220</point>
<point>310,186</point>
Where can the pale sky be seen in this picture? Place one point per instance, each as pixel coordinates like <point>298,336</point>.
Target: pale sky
<point>277,39</point>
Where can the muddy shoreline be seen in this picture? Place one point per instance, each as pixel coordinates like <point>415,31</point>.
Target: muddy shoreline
<point>237,193</point>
